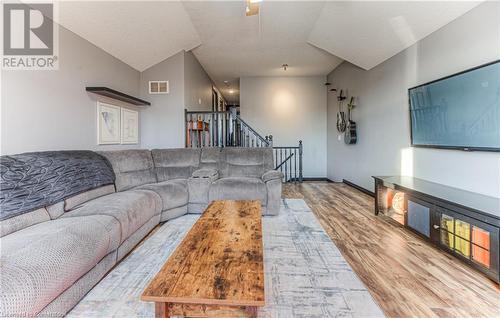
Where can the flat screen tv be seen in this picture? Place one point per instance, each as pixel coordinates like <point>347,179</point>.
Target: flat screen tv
<point>460,111</point>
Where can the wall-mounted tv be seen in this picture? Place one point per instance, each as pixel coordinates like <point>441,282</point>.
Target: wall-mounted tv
<point>460,111</point>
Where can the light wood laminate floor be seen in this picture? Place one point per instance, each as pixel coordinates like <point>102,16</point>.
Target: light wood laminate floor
<point>406,275</point>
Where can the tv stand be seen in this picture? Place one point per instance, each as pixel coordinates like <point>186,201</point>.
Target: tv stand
<point>463,223</point>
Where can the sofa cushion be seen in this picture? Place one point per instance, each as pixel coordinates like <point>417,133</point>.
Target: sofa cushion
<point>23,221</point>
<point>132,167</point>
<point>38,263</point>
<point>131,208</point>
<point>238,188</point>
<point>173,193</point>
<point>246,162</point>
<point>175,163</point>
<point>211,158</point>
<point>74,201</point>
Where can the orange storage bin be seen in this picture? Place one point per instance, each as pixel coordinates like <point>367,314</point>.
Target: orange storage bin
<point>481,237</point>
<point>481,256</point>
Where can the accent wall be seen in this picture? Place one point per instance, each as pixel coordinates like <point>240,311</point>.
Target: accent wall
<point>382,113</point>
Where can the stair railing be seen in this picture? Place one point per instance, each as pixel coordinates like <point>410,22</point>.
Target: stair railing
<point>221,129</point>
<point>288,160</point>
<point>227,129</point>
<point>248,137</point>
<point>207,129</point>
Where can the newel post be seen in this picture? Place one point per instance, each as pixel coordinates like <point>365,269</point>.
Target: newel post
<point>300,161</point>
<point>271,141</point>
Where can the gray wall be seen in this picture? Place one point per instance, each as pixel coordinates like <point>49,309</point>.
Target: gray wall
<point>382,114</point>
<point>50,110</point>
<point>198,85</point>
<point>290,109</point>
<point>163,123</point>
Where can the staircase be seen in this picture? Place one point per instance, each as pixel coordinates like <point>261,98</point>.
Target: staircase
<point>227,129</point>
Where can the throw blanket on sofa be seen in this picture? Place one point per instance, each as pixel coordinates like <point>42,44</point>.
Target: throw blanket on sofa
<point>30,181</point>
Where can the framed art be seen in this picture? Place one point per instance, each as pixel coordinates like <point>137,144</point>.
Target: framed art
<point>108,124</point>
<point>130,126</point>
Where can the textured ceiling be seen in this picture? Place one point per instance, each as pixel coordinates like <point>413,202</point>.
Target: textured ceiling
<point>368,33</point>
<point>312,37</point>
<point>234,45</point>
<point>140,34</point>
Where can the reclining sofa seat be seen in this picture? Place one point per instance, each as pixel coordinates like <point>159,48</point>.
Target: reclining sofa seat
<point>188,179</point>
<point>62,227</point>
<point>164,172</point>
<point>247,174</point>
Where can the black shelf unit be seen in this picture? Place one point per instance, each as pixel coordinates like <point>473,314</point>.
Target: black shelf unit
<point>111,93</point>
<point>462,223</point>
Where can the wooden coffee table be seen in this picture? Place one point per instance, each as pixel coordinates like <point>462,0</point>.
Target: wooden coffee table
<point>217,270</point>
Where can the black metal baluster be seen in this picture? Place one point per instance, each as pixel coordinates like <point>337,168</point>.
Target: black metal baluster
<point>295,164</point>
<point>205,130</point>
<point>191,131</point>
<point>242,133</point>
<point>286,163</point>
<point>290,165</point>
<point>203,133</point>
<point>211,129</point>
<point>226,128</point>
<point>221,115</point>
<point>281,160</point>
<point>300,161</point>
<point>216,130</point>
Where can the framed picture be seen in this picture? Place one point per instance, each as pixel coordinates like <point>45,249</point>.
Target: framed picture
<point>108,124</point>
<point>130,126</point>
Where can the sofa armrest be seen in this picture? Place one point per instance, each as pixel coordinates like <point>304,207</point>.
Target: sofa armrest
<point>271,175</point>
<point>211,174</point>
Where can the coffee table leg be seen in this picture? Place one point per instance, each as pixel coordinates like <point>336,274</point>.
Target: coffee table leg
<point>161,310</point>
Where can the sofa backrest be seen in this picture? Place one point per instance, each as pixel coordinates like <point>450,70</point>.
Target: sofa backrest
<point>176,163</point>
<point>35,185</point>
<point>245,162</point>
<point>211,158</point>
<point>132,168</point>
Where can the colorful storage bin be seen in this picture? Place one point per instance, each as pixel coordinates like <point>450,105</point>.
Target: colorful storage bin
<point>462,229</point>
<point>462,246</point>
<point>481,256</point>
<point>481,237</point>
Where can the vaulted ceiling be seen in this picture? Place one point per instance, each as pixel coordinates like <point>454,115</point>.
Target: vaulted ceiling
<point>312,37</point>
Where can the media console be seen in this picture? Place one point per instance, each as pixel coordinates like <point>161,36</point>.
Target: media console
<point>463,223</point>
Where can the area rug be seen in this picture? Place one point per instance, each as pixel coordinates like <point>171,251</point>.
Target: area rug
<point>305,274</point>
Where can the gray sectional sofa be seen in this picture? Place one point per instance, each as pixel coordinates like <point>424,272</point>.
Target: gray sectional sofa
<point>68,217</point>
